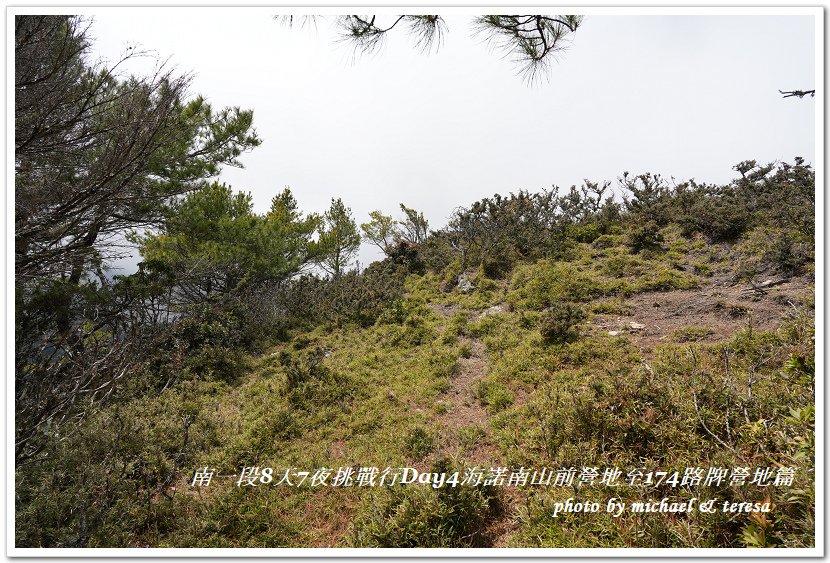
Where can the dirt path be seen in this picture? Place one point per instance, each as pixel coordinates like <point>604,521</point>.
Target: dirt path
<point>465,426</point>
<point>465,431</point>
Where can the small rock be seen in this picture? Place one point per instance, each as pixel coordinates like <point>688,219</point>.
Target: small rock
<point>613,333</point>
<point>493,310</point>
<point>464,284</point>
<point>636,326</point>
<point>655,304</point>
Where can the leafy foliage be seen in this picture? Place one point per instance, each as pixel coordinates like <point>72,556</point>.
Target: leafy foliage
<point>382,230</point>
<point>339,239</point>
<point>213,244</point>
<point>96,154</point>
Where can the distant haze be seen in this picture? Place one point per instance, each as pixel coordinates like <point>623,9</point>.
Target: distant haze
<point>684,96</point>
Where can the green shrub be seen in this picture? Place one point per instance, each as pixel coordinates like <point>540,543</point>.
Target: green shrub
<point>360,297</point>
<point>787,254</point>
<point>586,233</point>
<point>458,324</point>
<point>702,268</point>
<point>207,343</point>
<point>111,476</point>
<point>220,363</point>
<point>620,265</point>
<point>558,322</point>
<point>262,435</point>
<point>717,212</point>
<point>494,395</point>
<point>767,249</point>
<point>606,241</point>
<point>310,382</point>
<point>396,313</point>
<point>498,263</point>
<point>421,516</point>
<point>239,517</point>
<point>645,236</point>
<point>353,298</point>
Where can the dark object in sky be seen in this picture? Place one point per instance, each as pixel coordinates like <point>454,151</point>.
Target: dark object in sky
<point>799,93</point>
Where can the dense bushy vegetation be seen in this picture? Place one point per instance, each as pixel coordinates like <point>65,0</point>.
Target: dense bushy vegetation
<point>250,339</point>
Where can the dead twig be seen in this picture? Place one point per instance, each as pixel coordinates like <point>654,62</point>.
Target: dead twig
<point>763,286</point>
<point>697,407</point>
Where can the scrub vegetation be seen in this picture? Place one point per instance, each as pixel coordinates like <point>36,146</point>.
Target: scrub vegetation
<point>637,324</point>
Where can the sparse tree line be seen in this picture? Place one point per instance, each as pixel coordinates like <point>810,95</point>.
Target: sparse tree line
<point>101,158</point>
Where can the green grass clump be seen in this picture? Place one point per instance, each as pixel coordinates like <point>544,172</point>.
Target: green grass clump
<point>419,442</point>
<point>610,307</point>
<point>421,516</point>
<point>537,286</point>
<point>596,273</point>
<point>692,333</point>
<point>496,396</point>
<point>444,363</point>
<point>471,435</point>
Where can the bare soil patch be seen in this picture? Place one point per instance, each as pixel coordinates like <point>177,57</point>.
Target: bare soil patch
<point>465,410</point>
<point>722,307</point>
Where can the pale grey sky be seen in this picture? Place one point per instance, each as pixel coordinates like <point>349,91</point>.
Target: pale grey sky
<point>684,96</point>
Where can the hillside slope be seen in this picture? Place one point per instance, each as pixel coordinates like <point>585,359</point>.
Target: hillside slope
<point>673,361</point>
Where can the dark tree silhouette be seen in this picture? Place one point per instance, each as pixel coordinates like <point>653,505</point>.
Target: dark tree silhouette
<point>531,40</point>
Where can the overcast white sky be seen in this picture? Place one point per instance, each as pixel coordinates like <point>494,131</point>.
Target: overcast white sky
<point>685,96</point>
